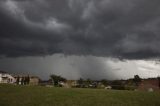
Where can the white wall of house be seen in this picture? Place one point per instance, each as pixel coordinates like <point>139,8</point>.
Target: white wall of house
<point>7,78</point>
<point>0,77</point>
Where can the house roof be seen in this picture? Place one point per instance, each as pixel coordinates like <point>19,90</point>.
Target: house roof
<point>31,76</point>
<point>2,72</point>
<point>150,81</point>
<point>34,77</point>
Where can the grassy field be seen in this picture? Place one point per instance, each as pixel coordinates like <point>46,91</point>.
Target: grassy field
<point>11,95</point>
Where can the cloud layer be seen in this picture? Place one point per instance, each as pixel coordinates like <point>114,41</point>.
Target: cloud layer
<point>110,28</point>
<point>74,67</point>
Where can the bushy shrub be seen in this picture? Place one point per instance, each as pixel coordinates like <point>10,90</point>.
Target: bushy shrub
<point>118,87</point>
<point>130,88</point>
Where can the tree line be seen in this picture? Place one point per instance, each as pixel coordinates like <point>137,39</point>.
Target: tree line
<point>82,83</point>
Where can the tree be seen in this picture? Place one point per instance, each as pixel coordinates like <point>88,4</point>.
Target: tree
<point>27,79</point>
<point>22,81</point>
<point>104,82</point>
<point>117,84</point>
<point>80,82</point>
<point>17,81</point>
<point>136,80</point>
<point>159,80</point>
<point>56,79</point>
<point>89,81</point>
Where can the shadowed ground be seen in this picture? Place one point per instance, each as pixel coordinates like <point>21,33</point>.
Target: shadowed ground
<point>11,95</point>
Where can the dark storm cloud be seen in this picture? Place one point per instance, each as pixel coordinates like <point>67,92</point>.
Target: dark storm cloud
<point>128,29</point>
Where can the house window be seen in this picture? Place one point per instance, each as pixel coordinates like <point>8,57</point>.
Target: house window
<point>8,80</point>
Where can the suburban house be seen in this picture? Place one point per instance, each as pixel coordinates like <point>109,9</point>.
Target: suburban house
<point>71,83</point>
<point>151,83</point>
<point>34,80</point>
<point>27,80</point>
<point>6,78</point>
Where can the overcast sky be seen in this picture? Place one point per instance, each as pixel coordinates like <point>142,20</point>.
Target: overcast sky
<point>94,39</point>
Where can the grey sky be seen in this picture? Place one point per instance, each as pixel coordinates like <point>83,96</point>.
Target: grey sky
<point>126,30</point>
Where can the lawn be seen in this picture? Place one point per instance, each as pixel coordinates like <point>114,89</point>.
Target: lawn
<point>11,95</point>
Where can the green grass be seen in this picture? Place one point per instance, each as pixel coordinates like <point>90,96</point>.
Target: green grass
<point>11,95</point>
